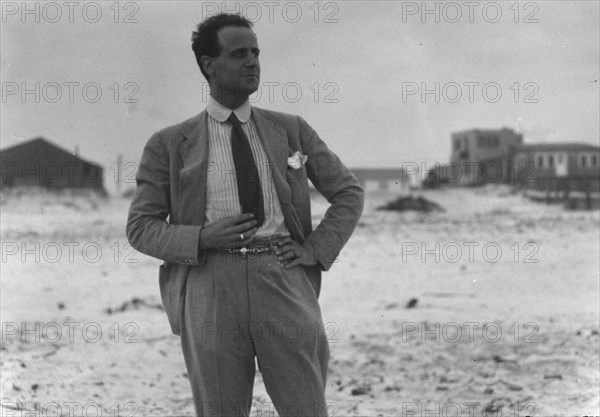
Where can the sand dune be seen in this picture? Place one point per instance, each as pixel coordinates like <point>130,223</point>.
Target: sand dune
<point>504,318</point>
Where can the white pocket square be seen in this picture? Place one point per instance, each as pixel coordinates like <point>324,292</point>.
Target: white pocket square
<point>297,160</point>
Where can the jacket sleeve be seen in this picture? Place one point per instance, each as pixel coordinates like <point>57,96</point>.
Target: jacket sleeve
<point>147,228</point>
<point>341,189</point>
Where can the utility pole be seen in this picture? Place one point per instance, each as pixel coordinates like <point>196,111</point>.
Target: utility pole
<point>118,176</point>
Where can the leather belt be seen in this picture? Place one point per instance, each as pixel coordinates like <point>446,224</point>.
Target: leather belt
<point>246,250</point>
<point>253,248</point>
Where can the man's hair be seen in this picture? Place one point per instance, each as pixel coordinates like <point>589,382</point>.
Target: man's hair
<point>205,40</point>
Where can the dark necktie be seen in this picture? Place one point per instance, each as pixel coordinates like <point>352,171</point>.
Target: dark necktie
<point>246,173</point>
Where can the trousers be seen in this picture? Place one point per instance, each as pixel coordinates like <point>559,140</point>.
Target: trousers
<point>237,308</point>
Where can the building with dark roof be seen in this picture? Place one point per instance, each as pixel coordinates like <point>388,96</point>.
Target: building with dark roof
<point>38,162</point>
<point>566,166</point>
<point>382,179</point>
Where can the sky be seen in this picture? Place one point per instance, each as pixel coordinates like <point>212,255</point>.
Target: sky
<point>383,83</point>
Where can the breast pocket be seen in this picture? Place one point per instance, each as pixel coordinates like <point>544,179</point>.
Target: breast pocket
<point>298,182</point>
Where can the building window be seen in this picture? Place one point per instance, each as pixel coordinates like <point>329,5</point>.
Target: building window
<point>541,161</point>
<point>594,161</point>
<point>90,172</point>
<point>550,161</point>
<point>560,158</point>
<point>488,141</point>
<point>583,161</point>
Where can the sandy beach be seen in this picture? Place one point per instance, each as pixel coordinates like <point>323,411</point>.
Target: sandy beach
<point>503,318</point>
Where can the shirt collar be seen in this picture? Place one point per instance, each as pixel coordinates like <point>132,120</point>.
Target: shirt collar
<point>221,113</point>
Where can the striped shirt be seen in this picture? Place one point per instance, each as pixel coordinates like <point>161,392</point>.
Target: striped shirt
<point>222,199</point>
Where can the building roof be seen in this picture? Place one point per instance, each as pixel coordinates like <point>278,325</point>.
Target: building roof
<point>42,150</point>
<point>376,170</point>
<point>486,131</point>
<point>379,173</point>
<point>557,147</point>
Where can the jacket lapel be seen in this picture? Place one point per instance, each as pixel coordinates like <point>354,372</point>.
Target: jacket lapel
<point>192,176</point>
<point>275,143</point>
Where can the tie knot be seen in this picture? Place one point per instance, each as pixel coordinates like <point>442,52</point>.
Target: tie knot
<point>233,119</point>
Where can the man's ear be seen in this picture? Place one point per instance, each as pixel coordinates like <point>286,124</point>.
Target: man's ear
<point>207,65</point>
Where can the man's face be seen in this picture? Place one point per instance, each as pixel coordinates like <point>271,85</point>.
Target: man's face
<point>237,68</point>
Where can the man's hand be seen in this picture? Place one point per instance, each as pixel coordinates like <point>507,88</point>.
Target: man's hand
<point>291,253</point>
<point>231,232</point>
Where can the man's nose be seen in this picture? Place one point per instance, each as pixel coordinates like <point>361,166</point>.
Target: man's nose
<point>252,61</point>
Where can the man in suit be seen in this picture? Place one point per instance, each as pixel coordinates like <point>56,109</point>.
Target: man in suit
<point>242,263</point>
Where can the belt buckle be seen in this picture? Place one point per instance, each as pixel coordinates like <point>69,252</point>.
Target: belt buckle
<point>244,251</point>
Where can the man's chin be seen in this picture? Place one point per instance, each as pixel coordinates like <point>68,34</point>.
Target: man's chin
<point>250,88</point>
<point>241,91</point>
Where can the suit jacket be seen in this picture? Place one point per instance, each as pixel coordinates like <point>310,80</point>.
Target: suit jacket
<point>171,182</point>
